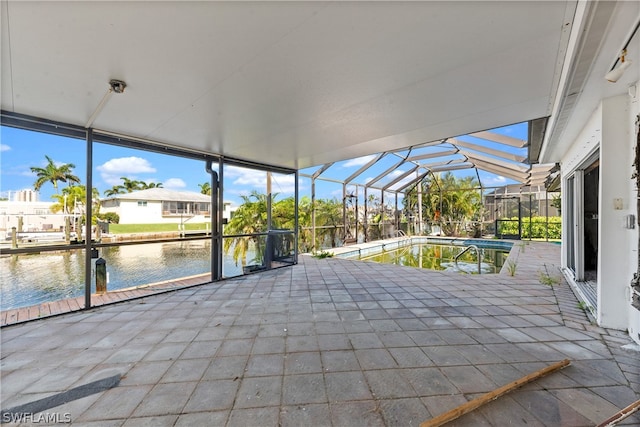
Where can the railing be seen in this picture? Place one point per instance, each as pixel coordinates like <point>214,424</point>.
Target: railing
<point>466,250</point>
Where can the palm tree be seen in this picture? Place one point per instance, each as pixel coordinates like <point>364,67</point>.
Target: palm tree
<point>328,220</point>
<point>131,184</point>
<point>73,198</point>
<point>249,218</point>
<point>147,185</point>
<point>205,188</point>
<point>447,200</point>
<point>116,189</point>
<point>52,173</point>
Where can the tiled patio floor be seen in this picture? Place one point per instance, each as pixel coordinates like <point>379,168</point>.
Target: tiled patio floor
<point>330,342</point>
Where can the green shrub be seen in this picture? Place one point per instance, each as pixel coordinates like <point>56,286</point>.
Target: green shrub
<point>534,230</point>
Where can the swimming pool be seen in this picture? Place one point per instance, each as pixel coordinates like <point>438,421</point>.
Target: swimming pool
<point>434,254</point>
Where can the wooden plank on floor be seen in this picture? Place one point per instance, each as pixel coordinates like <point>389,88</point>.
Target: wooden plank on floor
<point>488,397</point>
<point>621,415</point>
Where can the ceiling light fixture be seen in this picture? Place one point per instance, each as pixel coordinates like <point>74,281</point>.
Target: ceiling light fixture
<point>616,73</point>
<point>116,86</point>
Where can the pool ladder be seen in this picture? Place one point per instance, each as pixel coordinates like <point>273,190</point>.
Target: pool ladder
<point>466,250</point>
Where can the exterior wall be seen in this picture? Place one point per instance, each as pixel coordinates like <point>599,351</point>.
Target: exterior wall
<point>131,213</point>
<point>611,130</point>
<point>614,269</point>
<point>36,216</point>
<point>634,113</point>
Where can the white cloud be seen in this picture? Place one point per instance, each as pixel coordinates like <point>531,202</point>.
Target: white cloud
<point>256,179</point>
<point>494,181</point>
<point>283,184</point>
<point>4,147</point>
<point>174,183</point>
<point>112,170</point>
<point>131,165</point>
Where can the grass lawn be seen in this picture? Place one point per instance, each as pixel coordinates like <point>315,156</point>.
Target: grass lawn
<point>153,228</point>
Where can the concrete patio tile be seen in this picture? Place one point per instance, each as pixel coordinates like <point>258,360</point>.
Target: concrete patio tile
<point>429,382</point>
<point>365,340</point>
<point>157,421</point>
<point>302,363</point>
<point>201,349</point>
<point>358,326</point>
<point>216,418</point>
<point>485,336</point>
<point>184,370</point>
<point>437,405</point>
<point>226,368</point>
<point>444,355</point>
<point>145,373</point>
<point>316,415</point>
<point>500,373</point>
<point>375,358</point>
<point>329,342</point>
<point>506,411</point>
<point>116,403</point>
<point>166,351</point>
<point>261,365</point>
<point>339,360</point>
<point>357,414</point>
<point>250,417</point>
<point>587,403</point>
<point>568,334</point>
<point>573,351</point>
<point>211,396</point>
<point>511,353</point>
<point>304,389</point>
<point>347,386</point>
<point>410,357</point>
<point>426,338</point>
<point>395,339</point>
<point>52,381</point>
<point>388,384</point>
<point>548,409</point>
<point>164,399</point>
<point>468,379</point>
<point>128,354</point>
<point>477,354</point>
<point>302,343</point>
<point>236,347</point>
<point>404,412</point>
<point>258,392</point>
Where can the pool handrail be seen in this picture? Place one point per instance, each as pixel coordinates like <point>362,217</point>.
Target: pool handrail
<point>465,250</point>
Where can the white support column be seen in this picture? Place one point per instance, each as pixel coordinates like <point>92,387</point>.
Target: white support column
<point>614,269</point>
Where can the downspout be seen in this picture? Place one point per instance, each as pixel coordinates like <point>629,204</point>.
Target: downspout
<point>216,252</point>
<point>88,214</point>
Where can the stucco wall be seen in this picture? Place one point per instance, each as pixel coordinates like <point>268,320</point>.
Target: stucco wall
<point>610,129</point>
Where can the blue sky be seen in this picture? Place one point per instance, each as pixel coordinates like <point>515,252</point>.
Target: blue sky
<point>20,150</point>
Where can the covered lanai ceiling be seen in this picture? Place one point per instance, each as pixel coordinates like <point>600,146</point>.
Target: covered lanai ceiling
<point>291,84</point>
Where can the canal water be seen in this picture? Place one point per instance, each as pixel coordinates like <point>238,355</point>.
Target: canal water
<point>27,280</point>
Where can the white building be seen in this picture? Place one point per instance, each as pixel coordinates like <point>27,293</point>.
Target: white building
<point>29,216</point>
<point>160,205</point>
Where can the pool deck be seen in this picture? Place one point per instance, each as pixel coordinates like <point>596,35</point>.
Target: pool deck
<point>328,342</point>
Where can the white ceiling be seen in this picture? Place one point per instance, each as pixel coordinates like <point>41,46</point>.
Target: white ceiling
<point>292,84</point>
